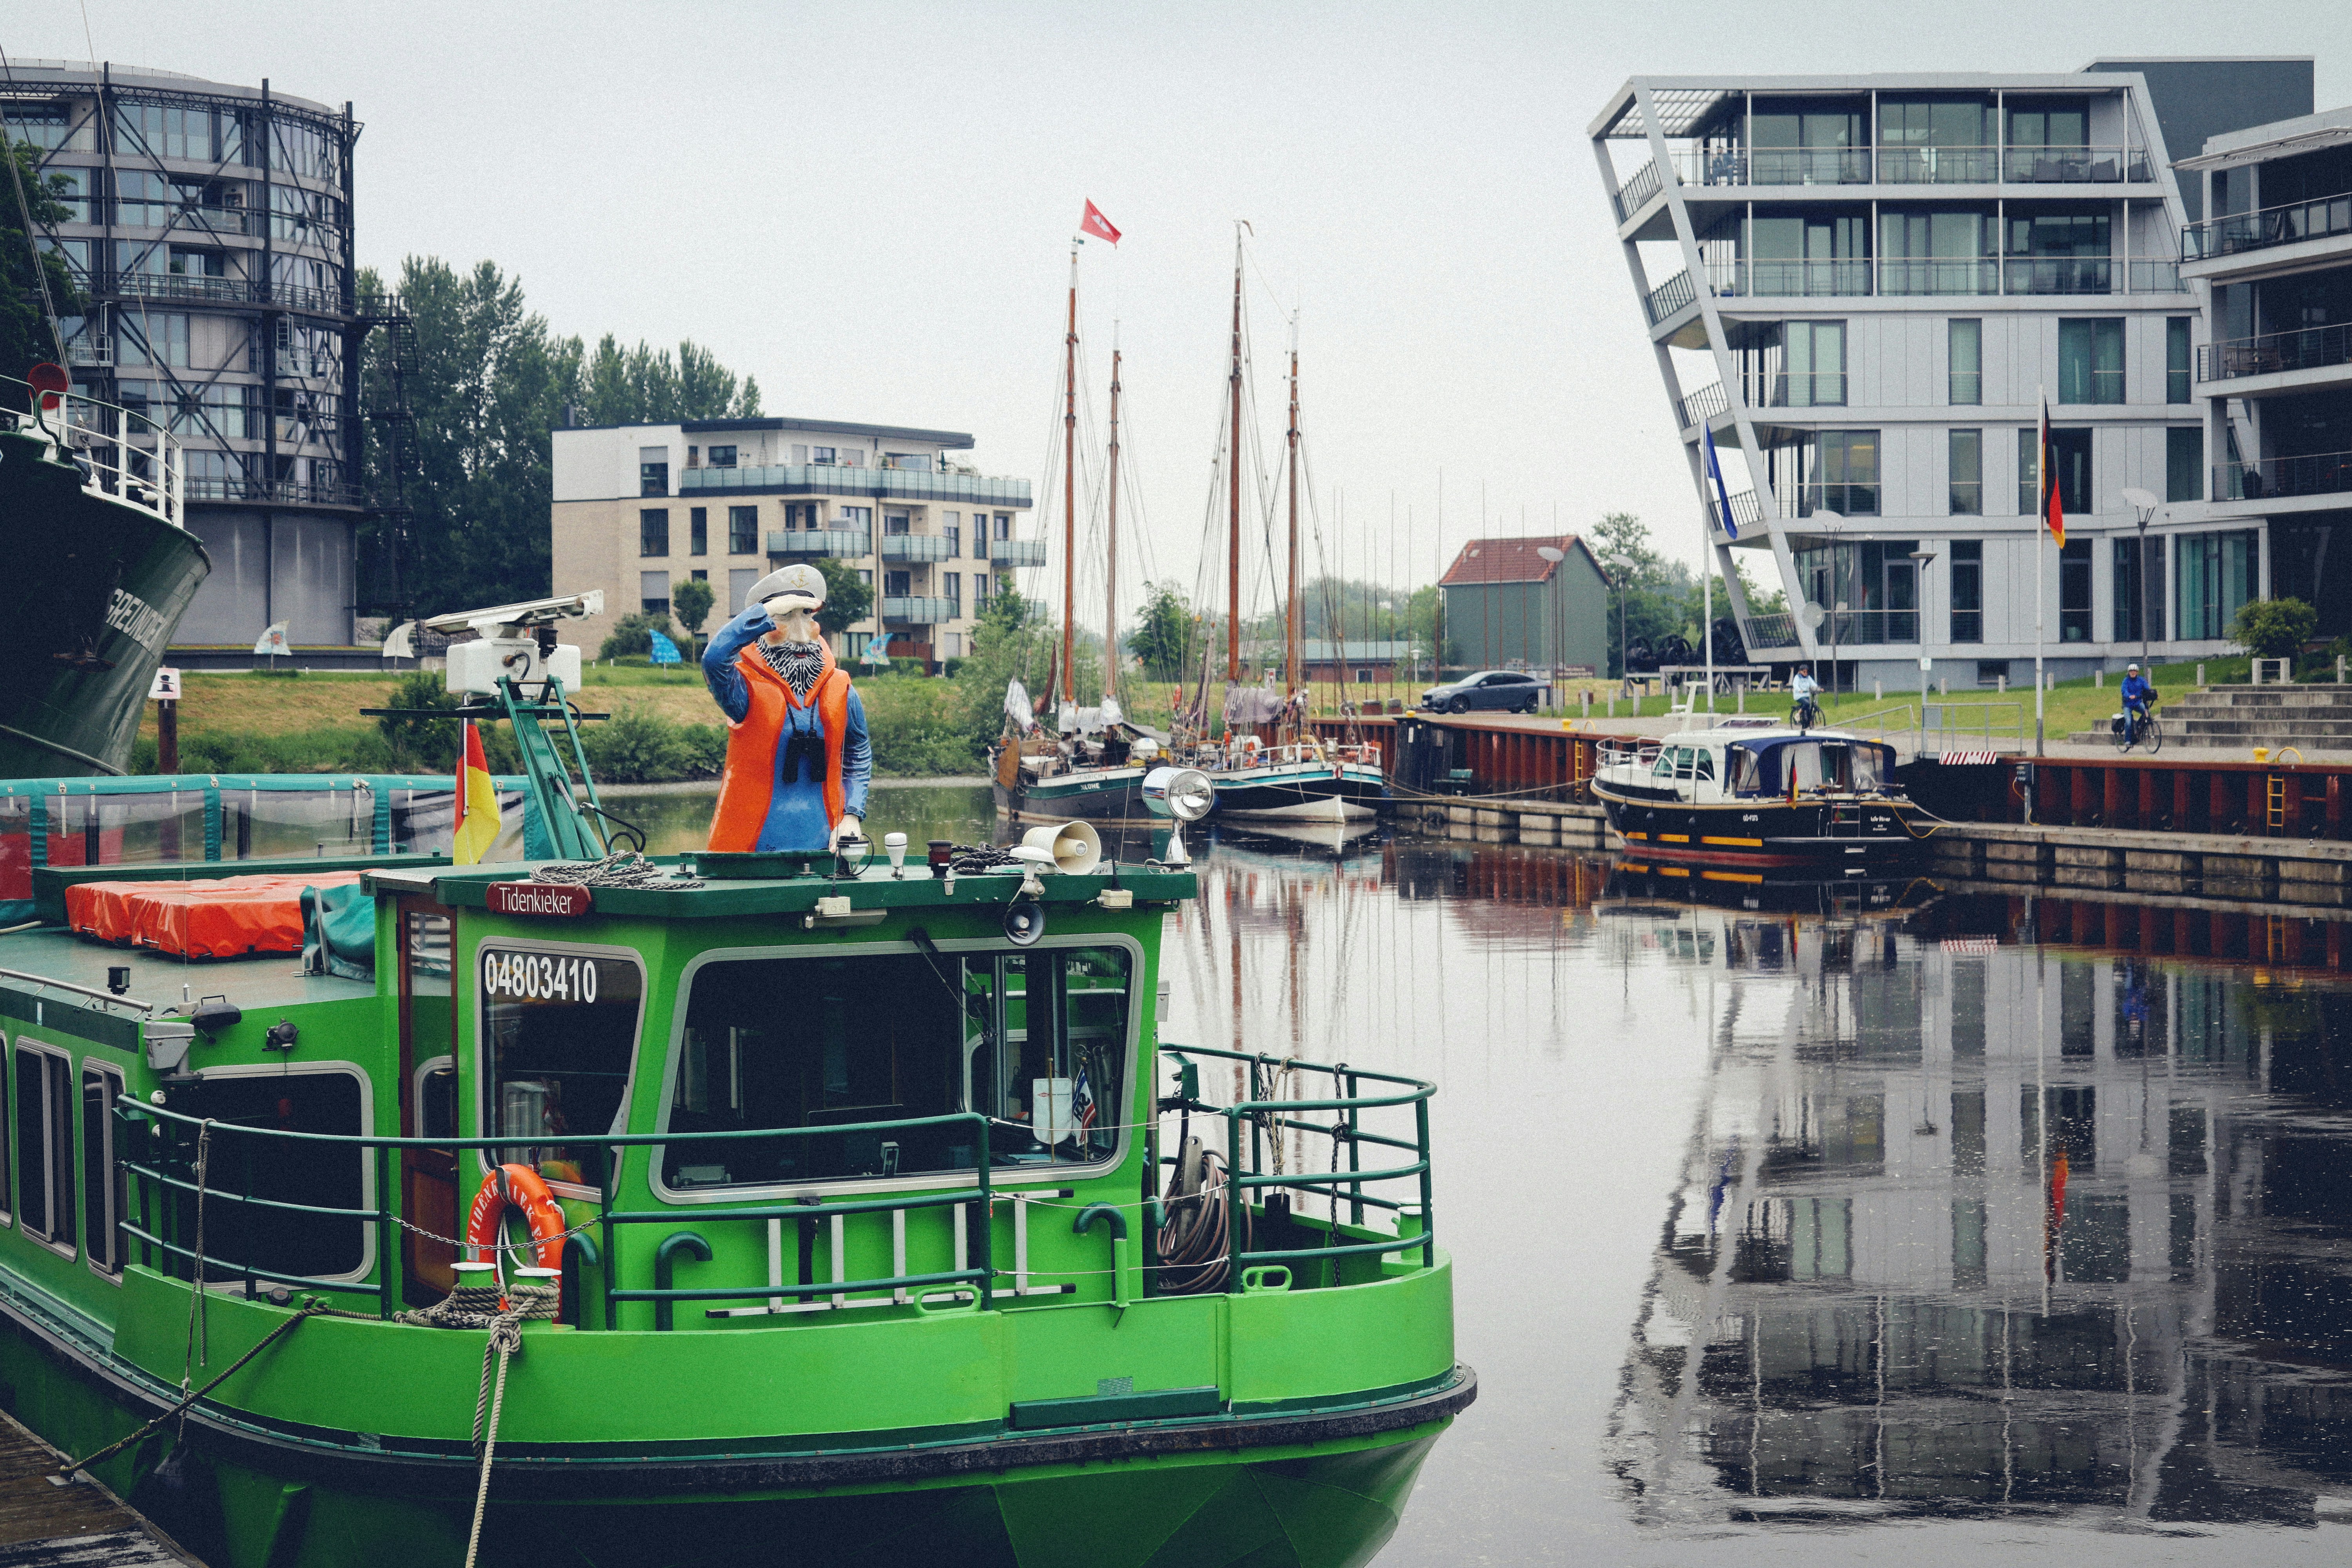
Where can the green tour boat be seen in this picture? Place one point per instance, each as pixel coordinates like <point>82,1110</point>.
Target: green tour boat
<point>707,1210</point>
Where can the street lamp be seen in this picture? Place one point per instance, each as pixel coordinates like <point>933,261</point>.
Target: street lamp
<point>1837,605</point>
<point>2145,503</point>
<point>1554,554</point>
<point>1921,560</point>
<point>1623,567</point>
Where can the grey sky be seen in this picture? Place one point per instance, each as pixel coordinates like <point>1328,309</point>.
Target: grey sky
<point>868,206</point>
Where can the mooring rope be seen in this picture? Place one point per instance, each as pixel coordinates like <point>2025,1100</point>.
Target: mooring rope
<point>310,1309</point>
<point>504,1343</point>
<point>621,868</point>
<point>198,1295</point>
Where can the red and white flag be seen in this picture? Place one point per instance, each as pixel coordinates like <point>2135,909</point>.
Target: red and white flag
<point>1095,224</point>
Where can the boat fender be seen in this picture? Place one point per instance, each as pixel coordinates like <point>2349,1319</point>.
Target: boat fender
<point>517,1187</point>
<point>1249,750</point>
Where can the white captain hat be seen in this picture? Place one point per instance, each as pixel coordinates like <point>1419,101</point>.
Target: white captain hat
<point>801,587</point>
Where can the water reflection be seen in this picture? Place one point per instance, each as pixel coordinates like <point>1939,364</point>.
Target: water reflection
<point>1971,1227</point>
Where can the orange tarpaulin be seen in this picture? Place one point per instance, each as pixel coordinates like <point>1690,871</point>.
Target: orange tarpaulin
<point>220,917</point>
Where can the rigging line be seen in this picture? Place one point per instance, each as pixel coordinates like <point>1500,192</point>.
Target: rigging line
<point>32,241</point>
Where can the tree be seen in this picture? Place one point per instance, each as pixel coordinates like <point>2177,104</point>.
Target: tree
<point>632,634</point>
<point>1661,597</point>
<point>2273,628</point>
<point>644,386</point>
<point>1165,635</point>
<point>690,602</point>
<point>848,598</point>
<point>25,336</point>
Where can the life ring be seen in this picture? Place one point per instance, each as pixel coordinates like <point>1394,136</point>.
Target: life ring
<point>520,1188</point>
<point>1249,749</point>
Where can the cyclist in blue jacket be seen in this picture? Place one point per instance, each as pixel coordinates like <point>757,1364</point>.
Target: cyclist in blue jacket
<point>2139,696</point>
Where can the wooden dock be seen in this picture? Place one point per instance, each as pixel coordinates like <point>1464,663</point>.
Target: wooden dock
<point>43,1525</point>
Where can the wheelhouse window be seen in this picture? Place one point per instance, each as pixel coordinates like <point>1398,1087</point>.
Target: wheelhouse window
<point>558,1030</point>
<point>102,1180</point>
<point>261,1235</point>
<point>44,1145</point>
<point>1035,1040</point>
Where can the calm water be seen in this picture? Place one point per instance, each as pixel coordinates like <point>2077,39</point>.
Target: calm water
<point>1831,1232</point>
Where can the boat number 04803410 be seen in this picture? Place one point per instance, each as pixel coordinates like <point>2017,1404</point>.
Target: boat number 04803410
<point>540,977</point>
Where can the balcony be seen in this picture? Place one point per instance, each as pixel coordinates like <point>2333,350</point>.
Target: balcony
<point>1676,294</point>
<point>2321,474</point>
<point>2075,165</point>
<point>2058,274</point>
<point>1781,279</point>
<point>1644,184</point>
<point>917,547</point>
<point>1846,627</point>
<point>882,484</point>
<point>2267,228</point>
<point>1914,274</point>
<point>833,543</point>
<point>198,290</point>
<point>1745,509</point>
<point>1013,551</point>
<point>277,492</point>
<point>919,610</point>
<point>1816,389</point>
<point>1938,165</point>
<point>1701,405</point>
<point>2312,348</point>
<point>1777,630</point>
<point>1808,166</point>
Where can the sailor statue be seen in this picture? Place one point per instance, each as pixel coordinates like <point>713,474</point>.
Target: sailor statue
<point>798,763</point>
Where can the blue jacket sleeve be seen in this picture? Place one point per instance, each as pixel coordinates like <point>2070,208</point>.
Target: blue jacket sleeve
<point>856,760</point>
<point>718,671</point>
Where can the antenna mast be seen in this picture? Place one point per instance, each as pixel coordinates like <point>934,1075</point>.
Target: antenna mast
<point>1291,649</point>
<point>1234,548</point>
<point>1070,489</point>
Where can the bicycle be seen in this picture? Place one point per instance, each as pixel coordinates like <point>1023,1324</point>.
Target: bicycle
<point>1805,714</point>
<point>2131,728</point>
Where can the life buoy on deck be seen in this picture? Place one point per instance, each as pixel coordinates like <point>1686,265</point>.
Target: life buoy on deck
<point>519,1187</point>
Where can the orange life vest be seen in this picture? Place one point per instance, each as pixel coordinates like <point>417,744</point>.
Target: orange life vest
<point>748,786</point>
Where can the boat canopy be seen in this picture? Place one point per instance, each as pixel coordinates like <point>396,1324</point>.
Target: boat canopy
<point>1780,763</point>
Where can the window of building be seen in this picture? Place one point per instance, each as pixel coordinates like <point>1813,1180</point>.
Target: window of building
<point>1816,253</point>
<point>2071,455</point>
<point>2075,591</point>
<point>701,576</point>
<point>1813,359</point>
<point>652,470</point>
<point>821,453</point>
<point>1991,671</point>
<point>1966,575</point>
<point>897,585</point>
<point>739,587</point>
<point>2136,587</point>
<point>2058,252</point>
<point>2091,360</point>
<point>954,536</point>
<point>1004,525</point>
<point>858,520</point>
<point>2214,574</point>
<point>653,531</point>
<point>694,457</point>
<point>1941,140</point>
<point>1845,473</point>
<point>722,456</point>
<point>866,576</point>
<point>558,1031</point>
<point>1964,384</point>
<point>1966,490</point>
<point>652,590</point>
<point>103,1186</point>
<point>2176,360</point>
<point>45,1152</point>
<point>2184,463</point>
<point>894,523</point>
<point>698,530</point>
<point>743,530</point>
<point>1938,250</point>
<point>152,337</point>
<point>951,590</point>
<point>1035,1040</point>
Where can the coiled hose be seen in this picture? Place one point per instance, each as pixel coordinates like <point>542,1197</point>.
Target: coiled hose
<point>1195,1243</point>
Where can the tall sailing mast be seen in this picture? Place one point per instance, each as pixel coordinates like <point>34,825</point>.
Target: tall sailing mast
<point>1291,627</point>
<point>1233,547</point>
<point>1070,492</point>
<point>1110,564</point>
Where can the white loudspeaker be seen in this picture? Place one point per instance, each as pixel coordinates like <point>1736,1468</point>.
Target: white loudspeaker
<point>1076,846</point>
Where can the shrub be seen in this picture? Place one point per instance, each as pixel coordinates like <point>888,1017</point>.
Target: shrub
<point>636,746</point>
<point>2273,628</point>
<point>420,746</point>
<point>633,634</point>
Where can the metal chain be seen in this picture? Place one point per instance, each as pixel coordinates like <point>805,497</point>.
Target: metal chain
<point>621,868</point>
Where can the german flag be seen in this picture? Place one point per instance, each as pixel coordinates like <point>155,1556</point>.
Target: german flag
<point>2053,510</point>
<point>477,804</point>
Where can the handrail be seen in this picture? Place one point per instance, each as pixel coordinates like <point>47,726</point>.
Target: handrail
<point>105,996</point>
<point>383,1215</point>
<point>163,493</point>
<point>2265,227</point>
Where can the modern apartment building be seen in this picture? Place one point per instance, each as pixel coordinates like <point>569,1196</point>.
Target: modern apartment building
<point>2275,375</point>
<point>1865,287</point>
<point>640,507</point>
<point>212,230</point>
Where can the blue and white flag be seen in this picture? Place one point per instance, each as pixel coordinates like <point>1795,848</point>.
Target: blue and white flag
<point>1082,1106</point>
<point>663,650</point>
<point>1714,472</point>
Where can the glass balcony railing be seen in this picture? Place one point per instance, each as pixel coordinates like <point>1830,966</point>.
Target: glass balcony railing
<point>2273,353</point>
<point>919,610</point>
<point>1778,278</point>
<point>1013,551</point>
<point>1939,274</point>
<point>917,547</point>
<point>1808,166</point>
<point>2075,165</point>
<point>2058,274</point>
<point>2318,474</point>
<point>886,484</point>
<point>833,543</point>
<point>2267,228</point>
<point>1846,498</point>
<point>1938,165</point>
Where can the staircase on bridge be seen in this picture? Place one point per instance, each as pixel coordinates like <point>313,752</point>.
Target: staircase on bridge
<point>2313,718</point>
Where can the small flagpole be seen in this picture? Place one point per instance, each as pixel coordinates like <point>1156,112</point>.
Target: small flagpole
<point>2041,560</point>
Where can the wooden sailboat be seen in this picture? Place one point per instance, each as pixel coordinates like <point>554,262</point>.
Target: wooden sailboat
<point>1291,774</point>
<point>1089,765</point>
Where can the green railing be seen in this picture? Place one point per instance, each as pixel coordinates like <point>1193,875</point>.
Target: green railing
<point>172,1168</point>
<point>1266,1116</point>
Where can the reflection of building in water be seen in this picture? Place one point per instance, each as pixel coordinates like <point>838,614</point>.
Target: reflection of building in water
<point>1968,1226</point>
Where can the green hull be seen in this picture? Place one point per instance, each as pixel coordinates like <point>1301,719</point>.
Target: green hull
<point>93,590</point>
